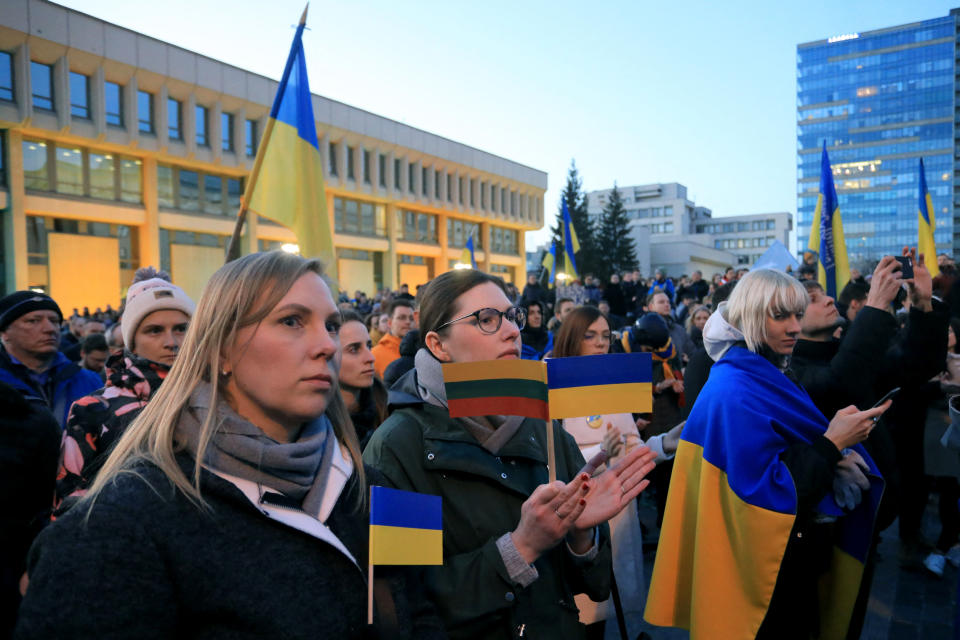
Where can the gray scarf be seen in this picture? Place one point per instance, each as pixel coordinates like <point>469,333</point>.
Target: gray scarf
<point>492,432</point>
<point>239,448</point>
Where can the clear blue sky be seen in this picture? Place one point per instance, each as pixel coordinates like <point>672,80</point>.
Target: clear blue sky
<point>701,93</point>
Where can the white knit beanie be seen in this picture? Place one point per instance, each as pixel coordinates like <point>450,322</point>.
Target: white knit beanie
<point>147,296</point>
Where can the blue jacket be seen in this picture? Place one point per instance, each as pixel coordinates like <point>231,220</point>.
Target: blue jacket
<point>66,383</point>
<point>666,286</point>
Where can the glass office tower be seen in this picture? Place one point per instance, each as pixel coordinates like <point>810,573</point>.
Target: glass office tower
<point>881,100</point>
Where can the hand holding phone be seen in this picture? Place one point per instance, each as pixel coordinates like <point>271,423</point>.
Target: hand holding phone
<point>906,266</point>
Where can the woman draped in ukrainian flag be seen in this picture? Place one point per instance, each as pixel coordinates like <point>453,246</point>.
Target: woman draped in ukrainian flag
<point>771,506</point>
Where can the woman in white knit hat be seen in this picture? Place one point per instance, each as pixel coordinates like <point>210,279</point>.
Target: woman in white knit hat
<point>154,322</point>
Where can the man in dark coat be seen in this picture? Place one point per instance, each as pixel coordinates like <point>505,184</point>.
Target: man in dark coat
<point>533,292</point>
<point>873,357</point>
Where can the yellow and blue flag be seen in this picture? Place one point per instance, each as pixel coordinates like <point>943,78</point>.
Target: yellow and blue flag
<point>927,225</point>
<point>466,256</point>
<point>552,389</point>
<point>286,184</point>
<point>570,243</point>
<point>732,505</point>
<point>405,527</point>
<point>550,263</point>
<point>826,234</point>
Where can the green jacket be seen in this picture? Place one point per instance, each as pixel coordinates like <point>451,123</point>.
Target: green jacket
<point>420,448</point>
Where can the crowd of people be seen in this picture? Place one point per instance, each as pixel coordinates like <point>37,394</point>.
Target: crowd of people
<point>203,466</point>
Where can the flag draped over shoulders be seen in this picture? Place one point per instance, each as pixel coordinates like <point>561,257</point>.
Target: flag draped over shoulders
<point>733,503</point>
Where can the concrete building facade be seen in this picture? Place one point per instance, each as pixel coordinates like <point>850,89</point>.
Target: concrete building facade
<point>118,150</point>
<point>672,233</point>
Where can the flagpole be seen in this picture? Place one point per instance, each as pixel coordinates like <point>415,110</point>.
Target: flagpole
<point>370,570</point>
<point>233,248</point>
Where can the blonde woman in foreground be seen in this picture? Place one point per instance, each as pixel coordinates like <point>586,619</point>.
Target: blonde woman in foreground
<point>234,505</point>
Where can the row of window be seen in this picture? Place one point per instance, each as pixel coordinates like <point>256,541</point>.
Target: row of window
<point>733,227</point>
<point>43,97</point>
<point>743,243</point>
<point>190,190</point>
<point>81,172</point>
<point>651,212</point>
<point>496,199</point>
<point>660,227</point>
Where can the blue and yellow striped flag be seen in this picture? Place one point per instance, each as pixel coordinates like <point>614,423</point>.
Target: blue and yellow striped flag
<point>826,234</point>
<point>926,243</point>
<point>405,527</point>
<point>570,243</point>
<point>550,263</point>
<point>286,184</point>
<point>466,256</point>
<point>591,385</point>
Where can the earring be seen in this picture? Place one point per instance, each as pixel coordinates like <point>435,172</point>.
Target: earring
<point>225,374</point>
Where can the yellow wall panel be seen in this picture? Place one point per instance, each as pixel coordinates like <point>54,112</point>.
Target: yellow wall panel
<point>356,274</point>
<point>84,271</point>
<point>413,275</point>
<point>191,267</point>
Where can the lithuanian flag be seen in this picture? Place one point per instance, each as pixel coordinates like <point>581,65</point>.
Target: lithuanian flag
<point>497,388</point>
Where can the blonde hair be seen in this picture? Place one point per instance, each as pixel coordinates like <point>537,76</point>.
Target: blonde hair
<point>240,294</point>
<point>760,294</point>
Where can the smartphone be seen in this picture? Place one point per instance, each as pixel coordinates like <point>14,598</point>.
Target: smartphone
<point>906,266</point>
<point>890,394</point>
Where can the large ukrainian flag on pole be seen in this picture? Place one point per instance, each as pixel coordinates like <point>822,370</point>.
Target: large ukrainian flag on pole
<point>286,184</point>
<point>927,224</point>
<point>826,234</point>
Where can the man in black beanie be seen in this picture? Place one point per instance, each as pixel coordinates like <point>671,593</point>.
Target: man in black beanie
<point>29,358</point>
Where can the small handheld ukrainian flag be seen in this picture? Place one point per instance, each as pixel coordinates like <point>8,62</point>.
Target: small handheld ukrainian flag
<point>286,182</point>
<point>927,224</point>
<point>826,234</point>
<point>570,243</point>
<point>467,256</point>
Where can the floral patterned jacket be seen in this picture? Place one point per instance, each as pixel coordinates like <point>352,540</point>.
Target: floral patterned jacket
<point>98,420</point>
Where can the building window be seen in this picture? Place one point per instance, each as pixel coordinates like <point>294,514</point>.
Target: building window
<point>144,112</point>
<point>333,159</point>
<point>226,132</point>
<point>69,170</point>
<point>493,198</point>
<point>174,119</point>
<point>366,166</point>
<point>202,115</point>
<point>382,167</point>
<point>437,181</point>
<point>79,95</point>
<point>417,227</point>
<point>458,231</point>
<point>503,200</point>
<point>359,218</point>
<point>234,193</point>
<point>188,197</point>
<point>424,177</point>
<point>503,240</point>
<point>6,76</point>
<point>668,211</point>
<point>113,103</point>
<point>412,177</point>
<point>483,195</point>
<point>351,175</point>
<point>103,181</point>
<point>41,79</point>
<point>397,179</point>
<point>771,224</point>
<point>460,183</point>
<point>36,174</point>
<point>250,135</point>
<point>212,194</point>
<point>472,201</point>
<point>131,180</point>
<point>165,188</point>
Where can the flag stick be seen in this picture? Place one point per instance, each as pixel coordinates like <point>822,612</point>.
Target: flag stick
<point>551,453</point>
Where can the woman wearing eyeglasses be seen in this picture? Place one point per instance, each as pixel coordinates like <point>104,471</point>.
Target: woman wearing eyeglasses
<point>516,548</point>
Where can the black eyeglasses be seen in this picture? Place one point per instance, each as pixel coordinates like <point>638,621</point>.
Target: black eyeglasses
<point>489,320</point>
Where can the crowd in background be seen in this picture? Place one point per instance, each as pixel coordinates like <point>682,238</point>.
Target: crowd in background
<point>72,385</point>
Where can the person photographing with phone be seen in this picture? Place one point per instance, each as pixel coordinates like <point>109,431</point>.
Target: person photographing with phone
<point>873,356</point>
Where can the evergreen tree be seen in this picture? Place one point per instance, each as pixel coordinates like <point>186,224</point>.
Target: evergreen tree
<point>613,235</point>
<point>589,259</point>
